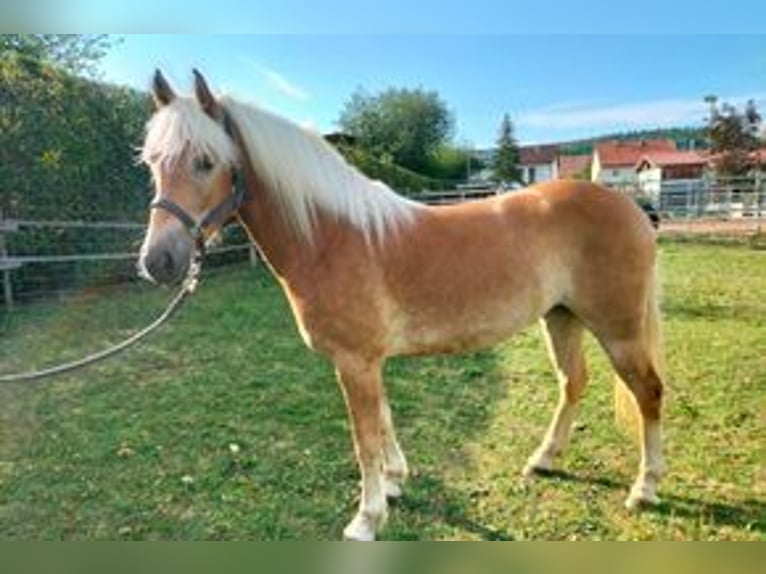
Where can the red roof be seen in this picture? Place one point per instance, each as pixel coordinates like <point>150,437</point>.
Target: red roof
<point>570,165</point>
<point>755,157</point>
<point>671,158</point>
<point>538,154</point>
<point>627,153</point>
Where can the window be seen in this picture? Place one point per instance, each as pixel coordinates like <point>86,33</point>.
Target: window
<point>531,174</point>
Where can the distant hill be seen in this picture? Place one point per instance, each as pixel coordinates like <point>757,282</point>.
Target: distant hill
<point>685,138</point>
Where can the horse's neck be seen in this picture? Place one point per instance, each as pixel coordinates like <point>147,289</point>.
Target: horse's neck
<point>290,256</point>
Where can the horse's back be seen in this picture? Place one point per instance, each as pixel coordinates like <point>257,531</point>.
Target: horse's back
<point>476,272</point>
<point>587,206</point>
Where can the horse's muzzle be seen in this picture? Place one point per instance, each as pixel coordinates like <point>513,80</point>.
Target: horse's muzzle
<point>163,267</point>
<point>166,262</point>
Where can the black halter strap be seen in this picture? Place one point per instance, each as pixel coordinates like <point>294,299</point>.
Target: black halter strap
<point>218,214</point>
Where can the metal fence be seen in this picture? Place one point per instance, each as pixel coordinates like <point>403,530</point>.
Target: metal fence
<point>448,196</point>
<point>724,198</point>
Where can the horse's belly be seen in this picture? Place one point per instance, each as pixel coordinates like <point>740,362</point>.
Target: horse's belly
<point>454,333</point>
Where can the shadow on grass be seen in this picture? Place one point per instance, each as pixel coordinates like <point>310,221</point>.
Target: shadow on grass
<point>711,311</point>
<point>749,513</point>
<point>441,404</point>
<point>428,500</point>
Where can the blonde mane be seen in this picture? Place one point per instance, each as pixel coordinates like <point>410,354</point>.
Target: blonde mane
<point>301,171</point>
<point>182,127</point>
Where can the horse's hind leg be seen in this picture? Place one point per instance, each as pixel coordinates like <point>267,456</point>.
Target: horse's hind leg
<point>633,362</point>
<point>563,335</point>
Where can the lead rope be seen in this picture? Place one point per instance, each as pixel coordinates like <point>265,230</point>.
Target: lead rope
<point>187,288</point>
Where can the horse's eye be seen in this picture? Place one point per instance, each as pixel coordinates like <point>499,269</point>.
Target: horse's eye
<point>202,164</point>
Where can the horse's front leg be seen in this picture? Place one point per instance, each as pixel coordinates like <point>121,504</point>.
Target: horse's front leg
<point>361,385</point>
<point>395,470</point>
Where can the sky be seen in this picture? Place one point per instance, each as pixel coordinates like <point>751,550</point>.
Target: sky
<point>561,70</point>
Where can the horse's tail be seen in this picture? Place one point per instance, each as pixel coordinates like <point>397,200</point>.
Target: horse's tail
<point>652,339</point>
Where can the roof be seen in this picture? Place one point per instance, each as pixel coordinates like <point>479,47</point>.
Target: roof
<point>570,165</point>
<point>628,153</point>
<point>538,154</point>
<point>755,157</point>
<point>672,158</point>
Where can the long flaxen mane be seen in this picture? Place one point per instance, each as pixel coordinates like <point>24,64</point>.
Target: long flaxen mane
<point>301,171</point>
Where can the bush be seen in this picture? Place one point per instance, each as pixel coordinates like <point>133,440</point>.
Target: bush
<point>398,178</point>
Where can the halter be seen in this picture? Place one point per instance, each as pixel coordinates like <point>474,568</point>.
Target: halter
<point>218,214</point>
<point>215,216</point>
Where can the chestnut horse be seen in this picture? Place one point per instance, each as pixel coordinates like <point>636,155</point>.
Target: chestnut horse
<point>370,274</point>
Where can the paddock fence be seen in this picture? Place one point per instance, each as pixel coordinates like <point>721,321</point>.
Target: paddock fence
<point>44,259</point>
<point>53,258</point>
<point>726,198</point>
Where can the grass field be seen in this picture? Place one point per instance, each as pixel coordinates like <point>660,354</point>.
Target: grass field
<point>224,426</point>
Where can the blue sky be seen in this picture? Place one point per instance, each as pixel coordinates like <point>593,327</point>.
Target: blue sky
<point>548,64</point>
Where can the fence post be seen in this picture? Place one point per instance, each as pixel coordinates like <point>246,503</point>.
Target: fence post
<point>253,255</point>
<point>689,203</point>
<point>7,285</point>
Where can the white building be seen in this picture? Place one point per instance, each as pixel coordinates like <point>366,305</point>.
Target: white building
<point>614,163</point>
<point>538,163</point>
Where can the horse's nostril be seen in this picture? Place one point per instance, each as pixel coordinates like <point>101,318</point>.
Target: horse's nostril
<point>161,266</point>
<point>168,265</point>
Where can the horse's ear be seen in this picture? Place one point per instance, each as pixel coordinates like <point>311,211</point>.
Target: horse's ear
<point>161,91</point>
<point>205,97</point>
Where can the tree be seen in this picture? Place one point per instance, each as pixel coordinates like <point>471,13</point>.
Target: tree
<point>505,163</point>
<point>75,53</point>
<point>734,135</point>
<point>404,126</point>
<point>453,163</point>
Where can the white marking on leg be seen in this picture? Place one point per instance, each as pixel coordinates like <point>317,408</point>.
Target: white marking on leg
<point>373,508</point>
<point>555,439</point>
<point>644,490</point>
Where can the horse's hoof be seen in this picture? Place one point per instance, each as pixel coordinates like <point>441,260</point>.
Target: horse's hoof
<point>640,500</point>
<point>393,489</point>
<point>537,466</point>
<point>353,536</point>
<point>363,528</point>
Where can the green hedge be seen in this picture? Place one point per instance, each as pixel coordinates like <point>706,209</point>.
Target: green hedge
<point>402,180</point>
<point>68,151</point>
<point>68,146</point>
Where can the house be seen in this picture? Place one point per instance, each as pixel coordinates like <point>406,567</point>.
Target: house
<point>538,163</point>
<point>656,168</point>
<point>753,161</point>
<point>572,166</point>
<point>614,162</point>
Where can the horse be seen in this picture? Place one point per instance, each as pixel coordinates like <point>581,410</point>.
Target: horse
<point>370,274</point>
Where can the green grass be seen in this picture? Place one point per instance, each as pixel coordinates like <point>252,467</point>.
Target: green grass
<point>140,447</point>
